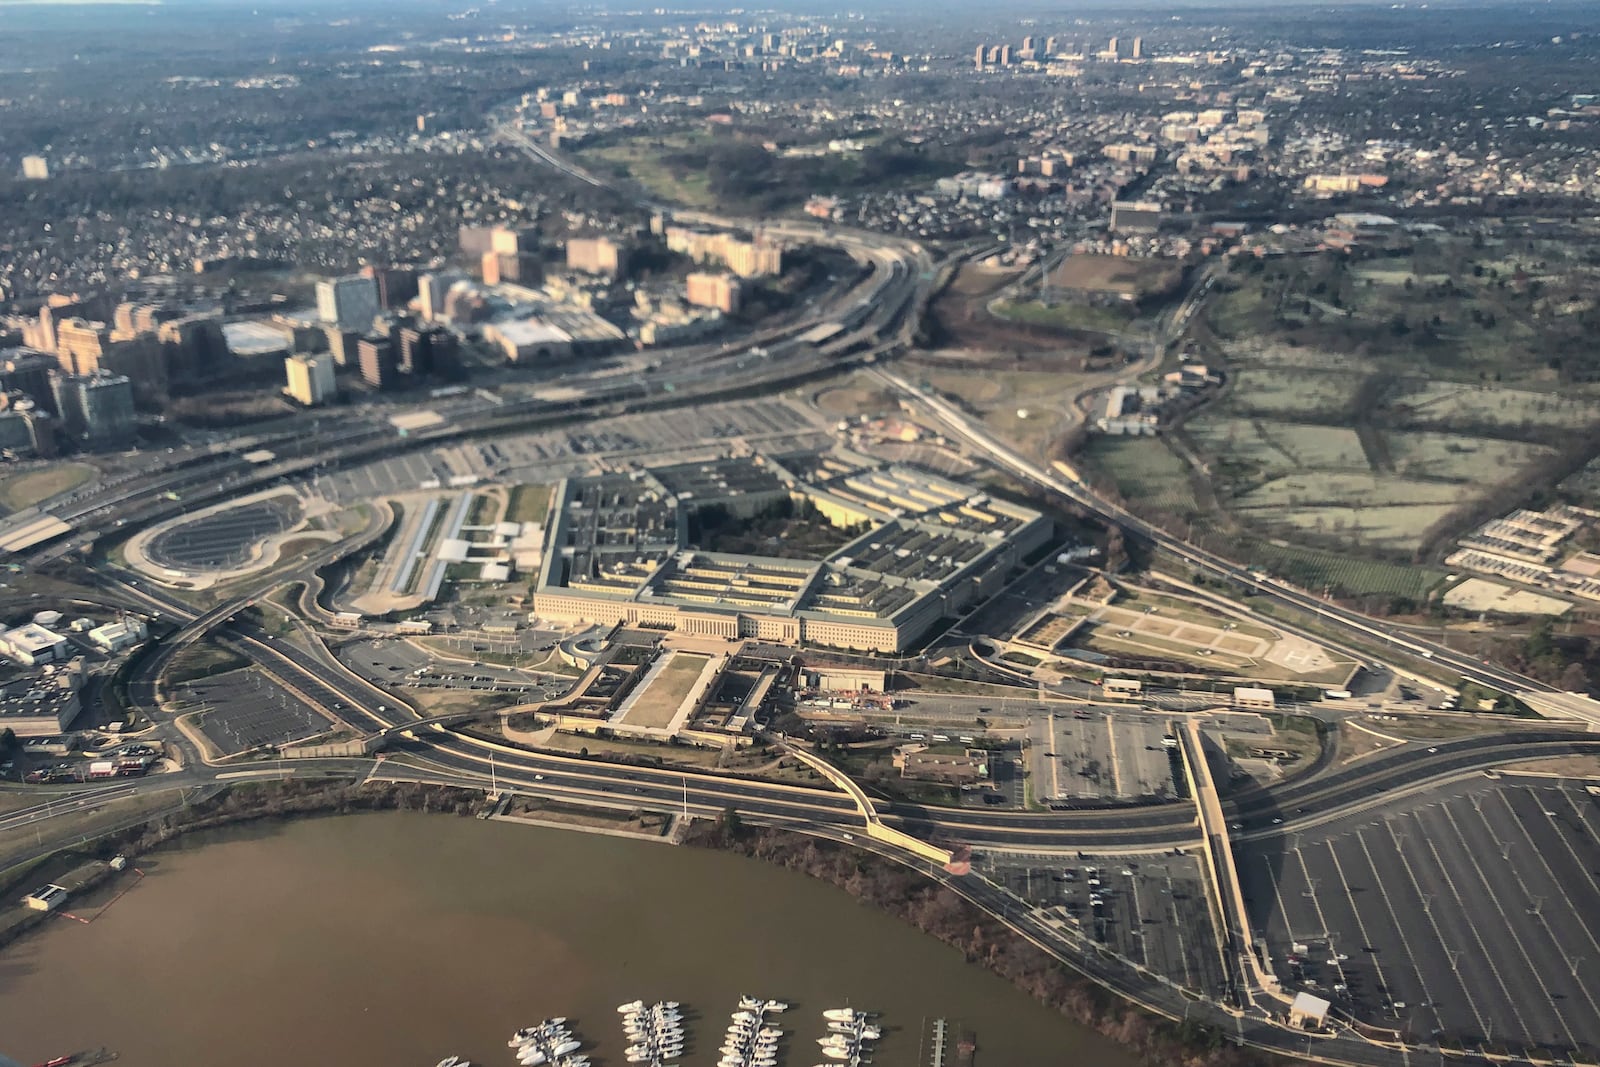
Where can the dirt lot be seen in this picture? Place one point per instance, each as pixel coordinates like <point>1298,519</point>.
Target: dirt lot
<point>959,318</point>
<point>1137,278</point>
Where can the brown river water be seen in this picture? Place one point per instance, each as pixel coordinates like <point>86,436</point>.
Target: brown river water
<point>397,939</point>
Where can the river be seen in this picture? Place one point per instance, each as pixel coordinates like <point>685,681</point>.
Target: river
<point>396,939</point>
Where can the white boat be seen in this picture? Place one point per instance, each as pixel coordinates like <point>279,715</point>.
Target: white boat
<point>870,1033</point>
<point>632,1005</point>
<point>834,1053</point>
<point>843,1015</point>
<point>639,1057</point>
<point>454,1061</point>
<point>530,1057</point>
<point>566,1047</point>
<point>775,1005</point>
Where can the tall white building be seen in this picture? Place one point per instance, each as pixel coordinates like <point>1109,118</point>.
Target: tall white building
<point>310,378</point>
<point>431,289</point>
<point>351,301</point>
<point>35,168</point>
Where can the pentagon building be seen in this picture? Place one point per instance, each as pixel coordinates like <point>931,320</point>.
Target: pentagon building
<point>617,551</point>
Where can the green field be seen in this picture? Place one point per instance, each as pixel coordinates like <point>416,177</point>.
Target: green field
<point>659,702</point>
<point>1518,410</point>
<point>1145,471</point>
<point>642,163</point>
<point>529,503</point>
<point>1317,570</point>
<point>1065,316</point>
<point>32,487</point>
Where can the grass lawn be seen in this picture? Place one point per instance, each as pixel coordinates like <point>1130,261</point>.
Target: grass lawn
<point>25,490</point>
<point>1064,316</point>
<point>202,660</point>
<point>665,692</point>
<point>618,750</point>
<point>529,503</point>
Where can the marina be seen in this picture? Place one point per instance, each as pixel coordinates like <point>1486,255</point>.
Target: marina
<point>751,1040</point>
<point>655,1033</point>
<point>551,1043</point>
<point>850,1035</point>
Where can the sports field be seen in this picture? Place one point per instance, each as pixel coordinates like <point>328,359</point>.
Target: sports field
<point>32,487</point>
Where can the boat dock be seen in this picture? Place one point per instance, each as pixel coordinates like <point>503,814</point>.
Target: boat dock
<point>939,1055</point>
<point>941,1035</point>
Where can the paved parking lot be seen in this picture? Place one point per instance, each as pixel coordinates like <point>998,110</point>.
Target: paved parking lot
<point>1095,755</point>
<point>776,424</point>
<point>1470,914</point>
<point>246,710</point>
<point>224,539</point>
<point>400,663</point>
<point>1151,910</point>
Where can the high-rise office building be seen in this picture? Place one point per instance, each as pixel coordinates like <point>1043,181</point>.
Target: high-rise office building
<point>714,291</point>
<point>81,344</point>
<point>1005,55</point>
<point>26,429</point>
<point>396,285</point>
<point>27,371</point>
<point>427,350</point>
<point>351,301</point>
<point>597,255</point>
<point>379,368</point>
<point>310,378</point>
<point>342,345</point>
<point>1138,48</point>
<point>1029,46</point>
<point>430,294</point>
<point>1049,46</point>
<point>519,267</point>
<point>96,409</point>
<point>977,57</point>
<point>1114,47</point>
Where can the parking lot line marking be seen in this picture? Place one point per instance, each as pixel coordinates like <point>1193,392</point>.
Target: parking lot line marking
<point>1355,910</point>
<point>1438,935</point>
<point>1576,914</point>
<point>1116,764</point>
<point>1277,892</point>
<point>1483,949</point>
<point>1577,861</point>
<point>1177,926</point>
<point>1055,764</point>
<point>1538,976</point>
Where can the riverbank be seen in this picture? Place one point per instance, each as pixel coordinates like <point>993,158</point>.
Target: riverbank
<point>889,887</point>
<point>937,911</point>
